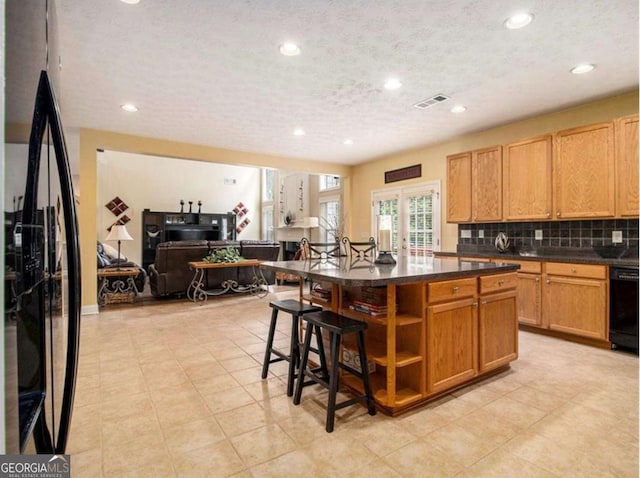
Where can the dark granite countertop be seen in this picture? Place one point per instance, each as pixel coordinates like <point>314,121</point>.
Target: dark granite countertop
<point>365,274</point>
<point>550,254</point>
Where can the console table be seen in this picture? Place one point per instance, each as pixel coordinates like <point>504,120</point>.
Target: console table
<point>197,289</point>
<point>117,285</point>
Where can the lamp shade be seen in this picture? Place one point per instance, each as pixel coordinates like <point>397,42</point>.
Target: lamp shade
<point>310,222</point>
<point>118,232</point>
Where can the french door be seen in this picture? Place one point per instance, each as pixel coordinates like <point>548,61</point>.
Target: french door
<point>414,215</point>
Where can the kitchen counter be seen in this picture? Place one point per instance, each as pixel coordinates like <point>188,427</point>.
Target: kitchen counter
<point>434,325</point>
<point>361,273</point>
<point>550,254</point>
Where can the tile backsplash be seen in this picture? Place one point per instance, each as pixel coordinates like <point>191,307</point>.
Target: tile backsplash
<point>583,234</point>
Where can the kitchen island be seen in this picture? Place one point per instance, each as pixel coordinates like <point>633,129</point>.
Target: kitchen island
<point>433,325</point>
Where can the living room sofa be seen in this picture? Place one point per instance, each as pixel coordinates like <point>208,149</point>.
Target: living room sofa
<point>170,273</point>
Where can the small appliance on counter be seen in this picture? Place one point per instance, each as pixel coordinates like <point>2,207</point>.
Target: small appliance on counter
<point>502,242</point>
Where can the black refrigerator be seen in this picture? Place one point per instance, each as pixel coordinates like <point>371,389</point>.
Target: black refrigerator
<point>42,295</point>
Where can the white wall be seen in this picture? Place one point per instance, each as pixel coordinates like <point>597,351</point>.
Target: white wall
<point>159,183</point>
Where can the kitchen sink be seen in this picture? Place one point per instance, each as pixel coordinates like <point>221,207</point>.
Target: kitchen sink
<point>528,253</point>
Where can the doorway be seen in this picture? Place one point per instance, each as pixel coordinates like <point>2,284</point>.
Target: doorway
<point>415,218</point>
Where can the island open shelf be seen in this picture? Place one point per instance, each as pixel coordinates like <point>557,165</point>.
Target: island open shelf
<point>432,327</point>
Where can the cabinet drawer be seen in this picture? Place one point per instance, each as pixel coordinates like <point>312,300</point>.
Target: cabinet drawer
<point>529,267</point>
<point>451,289</point>
<point>576,270</point>
<point>498,282</point>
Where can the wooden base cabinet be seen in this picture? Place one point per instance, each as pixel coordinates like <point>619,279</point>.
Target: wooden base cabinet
<point>452,345</point>
<point>575,299</point>
<point>434,336</point>
<point>529,299</point>
<point>498,330</point>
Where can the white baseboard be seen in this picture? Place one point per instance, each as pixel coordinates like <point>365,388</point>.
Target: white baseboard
<point>89,310</point>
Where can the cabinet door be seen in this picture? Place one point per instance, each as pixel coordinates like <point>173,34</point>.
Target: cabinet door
<point>452,343</point>
<point>529,299</point>
<point>576,306</point>
<point>498,330</point>
<point>152,235</point>
<point>584,172</point>
<point>459,188</point>
<point>627,166</point>
<point>526,169</point>
<point>487,184</point>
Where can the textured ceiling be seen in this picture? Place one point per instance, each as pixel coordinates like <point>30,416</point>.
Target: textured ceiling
<point>209,71</point>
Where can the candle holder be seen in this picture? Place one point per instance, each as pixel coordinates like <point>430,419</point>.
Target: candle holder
<point>385,257</point>
<point>385,228</point>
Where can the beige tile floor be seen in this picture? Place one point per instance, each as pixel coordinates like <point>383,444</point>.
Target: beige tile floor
<point>174,389</point>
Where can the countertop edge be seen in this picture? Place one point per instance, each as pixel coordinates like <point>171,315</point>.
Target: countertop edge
<point>629,261</point>
<point>281,266</point>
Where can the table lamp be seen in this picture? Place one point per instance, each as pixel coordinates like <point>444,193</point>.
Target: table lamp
<point>118,233</point>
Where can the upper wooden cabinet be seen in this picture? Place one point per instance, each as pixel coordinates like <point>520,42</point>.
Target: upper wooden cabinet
<point>580,173</point>
<point>486,190</point>
<point>526,169</point>
<point>459,188</point>
<point>583,172</point>
<point>627,166</point>
<point>474,186</point>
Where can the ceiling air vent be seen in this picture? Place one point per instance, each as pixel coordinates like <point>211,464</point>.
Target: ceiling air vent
<point>434,100</point>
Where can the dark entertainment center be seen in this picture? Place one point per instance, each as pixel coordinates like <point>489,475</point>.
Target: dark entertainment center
<point>160,227</point>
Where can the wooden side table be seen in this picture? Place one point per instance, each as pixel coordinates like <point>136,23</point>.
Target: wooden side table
<point>117,285</point>
<point>196,290</point>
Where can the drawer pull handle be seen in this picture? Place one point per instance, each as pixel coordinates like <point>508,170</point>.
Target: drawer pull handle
<point>537,279</point>
<point>573,269</point>
<point>475,304</point>
<point>548,281</point>
<point>500,282</point>
<point>456,289</point>
<point>484,302</point>
<point>558,214</point>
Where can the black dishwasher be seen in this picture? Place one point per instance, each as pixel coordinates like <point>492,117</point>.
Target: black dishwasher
<point>623,307</point>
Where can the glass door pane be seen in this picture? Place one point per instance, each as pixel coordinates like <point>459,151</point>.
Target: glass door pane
<point>418,232</point>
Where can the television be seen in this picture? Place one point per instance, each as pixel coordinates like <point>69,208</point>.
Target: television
<point>192,234</point>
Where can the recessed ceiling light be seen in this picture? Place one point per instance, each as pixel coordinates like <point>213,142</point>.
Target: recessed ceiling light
<point>584,68</point>
<point>392,84</point>
<point>348,142</point>
<point>459,109</point>
<point>130,107</point>
<point>518,20</point>
<point>130,2</point>
<point>299,132</point>
<point>289,49</point>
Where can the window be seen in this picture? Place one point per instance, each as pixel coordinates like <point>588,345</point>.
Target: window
<point>268,184</point>
<point>331,227</point>
<point>267,223</point>
<point>329,182</point>
<point>267,216</point>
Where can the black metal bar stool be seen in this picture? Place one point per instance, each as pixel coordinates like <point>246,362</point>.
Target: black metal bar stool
<point>296,309</point>
<point>337,326</point>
